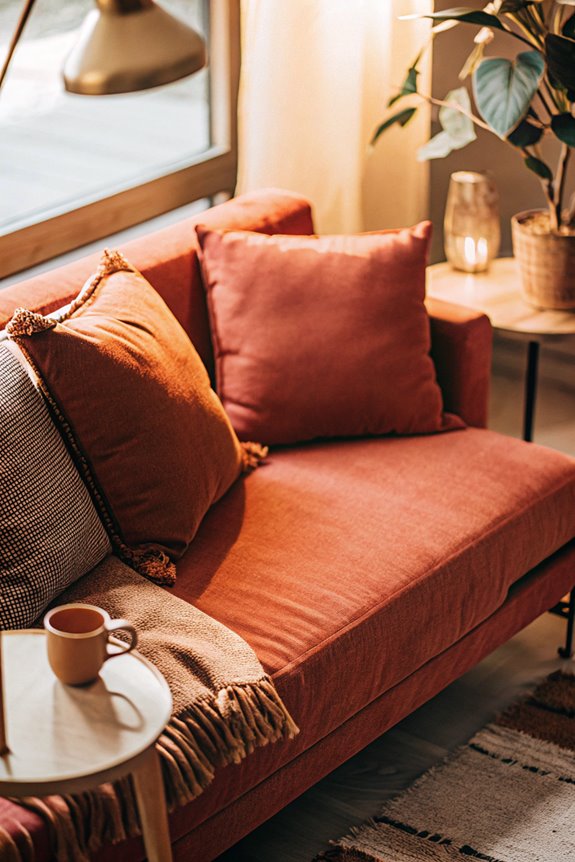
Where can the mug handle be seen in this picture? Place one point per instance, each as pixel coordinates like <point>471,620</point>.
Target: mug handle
<point>124,625</point>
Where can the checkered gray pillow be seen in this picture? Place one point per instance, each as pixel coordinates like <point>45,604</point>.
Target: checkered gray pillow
<point>50,533</point>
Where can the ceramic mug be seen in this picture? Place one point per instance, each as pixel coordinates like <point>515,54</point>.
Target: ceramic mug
<point>77,641</point>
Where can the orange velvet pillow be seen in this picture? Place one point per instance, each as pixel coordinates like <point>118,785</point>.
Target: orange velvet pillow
<point>134,403</point>
<point>322,336</point>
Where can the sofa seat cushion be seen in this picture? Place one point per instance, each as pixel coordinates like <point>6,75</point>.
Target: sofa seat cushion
<point>348,565</point>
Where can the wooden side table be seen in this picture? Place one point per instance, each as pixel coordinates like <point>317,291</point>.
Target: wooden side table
<point>497,293</point>
<point>63,739</point>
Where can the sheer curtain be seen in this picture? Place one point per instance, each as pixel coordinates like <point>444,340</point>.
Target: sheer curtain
<point>316,76</point>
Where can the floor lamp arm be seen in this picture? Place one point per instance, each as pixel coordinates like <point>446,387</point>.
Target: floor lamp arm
<point>16,36</point>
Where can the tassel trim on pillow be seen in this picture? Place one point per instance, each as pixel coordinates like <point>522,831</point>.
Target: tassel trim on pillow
<point>152,563</point>
<point>253,455</point>
<point>110,262</point>
<point>25,322</point>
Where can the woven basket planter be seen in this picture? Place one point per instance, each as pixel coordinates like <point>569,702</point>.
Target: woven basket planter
<point>546,264</point>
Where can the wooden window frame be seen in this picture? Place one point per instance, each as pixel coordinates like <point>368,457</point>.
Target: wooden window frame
<point>206,175</point>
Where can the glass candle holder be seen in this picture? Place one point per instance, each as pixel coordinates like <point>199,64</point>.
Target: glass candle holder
<point>471,227</point>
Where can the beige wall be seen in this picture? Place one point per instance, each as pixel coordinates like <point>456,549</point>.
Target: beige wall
<point>518,188</point>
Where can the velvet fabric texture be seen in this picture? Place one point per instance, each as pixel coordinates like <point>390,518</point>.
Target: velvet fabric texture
<point>134,403</point>
<point>322,336</point>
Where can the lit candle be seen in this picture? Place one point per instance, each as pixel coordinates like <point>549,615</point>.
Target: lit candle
<point>475,251</point>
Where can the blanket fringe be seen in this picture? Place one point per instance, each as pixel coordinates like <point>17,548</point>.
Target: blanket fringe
<point>214,732</point>
<point>218,732</point>
<point>9,851</point>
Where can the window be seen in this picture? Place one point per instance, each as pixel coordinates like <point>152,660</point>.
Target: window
<point>76,168</point>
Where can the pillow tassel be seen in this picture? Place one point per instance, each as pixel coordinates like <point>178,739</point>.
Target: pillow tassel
<point>151,563</point>
<point>253,454</point>
<point>25,322</point>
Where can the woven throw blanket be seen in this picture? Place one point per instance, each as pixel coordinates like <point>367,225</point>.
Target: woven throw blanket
<point>225,706</point>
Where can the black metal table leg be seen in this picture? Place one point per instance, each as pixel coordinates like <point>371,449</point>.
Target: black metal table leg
<point>567,611</point>
<point>530,389</point>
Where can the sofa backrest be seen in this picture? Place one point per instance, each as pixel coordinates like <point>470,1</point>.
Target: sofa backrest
<point>168,259</point>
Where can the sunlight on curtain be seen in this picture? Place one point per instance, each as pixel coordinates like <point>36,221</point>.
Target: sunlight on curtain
<point>316,76</point>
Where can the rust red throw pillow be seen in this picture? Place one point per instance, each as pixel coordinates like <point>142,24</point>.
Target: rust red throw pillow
<point>322,336</point>
<point>134,403</point>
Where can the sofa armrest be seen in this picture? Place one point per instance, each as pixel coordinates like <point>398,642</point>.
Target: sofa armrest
<point>461,342</point>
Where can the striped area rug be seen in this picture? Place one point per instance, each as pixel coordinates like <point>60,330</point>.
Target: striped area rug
<point>508,795</point>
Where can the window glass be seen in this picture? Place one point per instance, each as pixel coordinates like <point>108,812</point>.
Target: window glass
<point>59,151</point>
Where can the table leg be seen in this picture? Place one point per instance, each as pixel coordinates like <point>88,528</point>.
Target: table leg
<point>567,611</point>
<point>149,787</point>
<point>563,609</point>
<point>530,389</point>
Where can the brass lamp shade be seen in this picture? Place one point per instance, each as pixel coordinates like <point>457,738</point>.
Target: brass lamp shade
<point>128,45</point>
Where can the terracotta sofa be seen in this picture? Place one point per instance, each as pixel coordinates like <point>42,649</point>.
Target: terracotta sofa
<point>367,574</point>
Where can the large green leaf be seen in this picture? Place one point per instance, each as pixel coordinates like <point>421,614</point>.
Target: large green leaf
<point>402,117</point>
<point>466,16</point>
<point>503,89</point>
<point>560,54</point>
<point>457,128</point>
<point>563,126</point>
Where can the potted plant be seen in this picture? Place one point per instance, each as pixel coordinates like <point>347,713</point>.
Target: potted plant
<point>523,101</point>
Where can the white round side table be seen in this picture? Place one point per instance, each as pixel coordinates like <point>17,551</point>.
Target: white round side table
<point>64,739</point>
